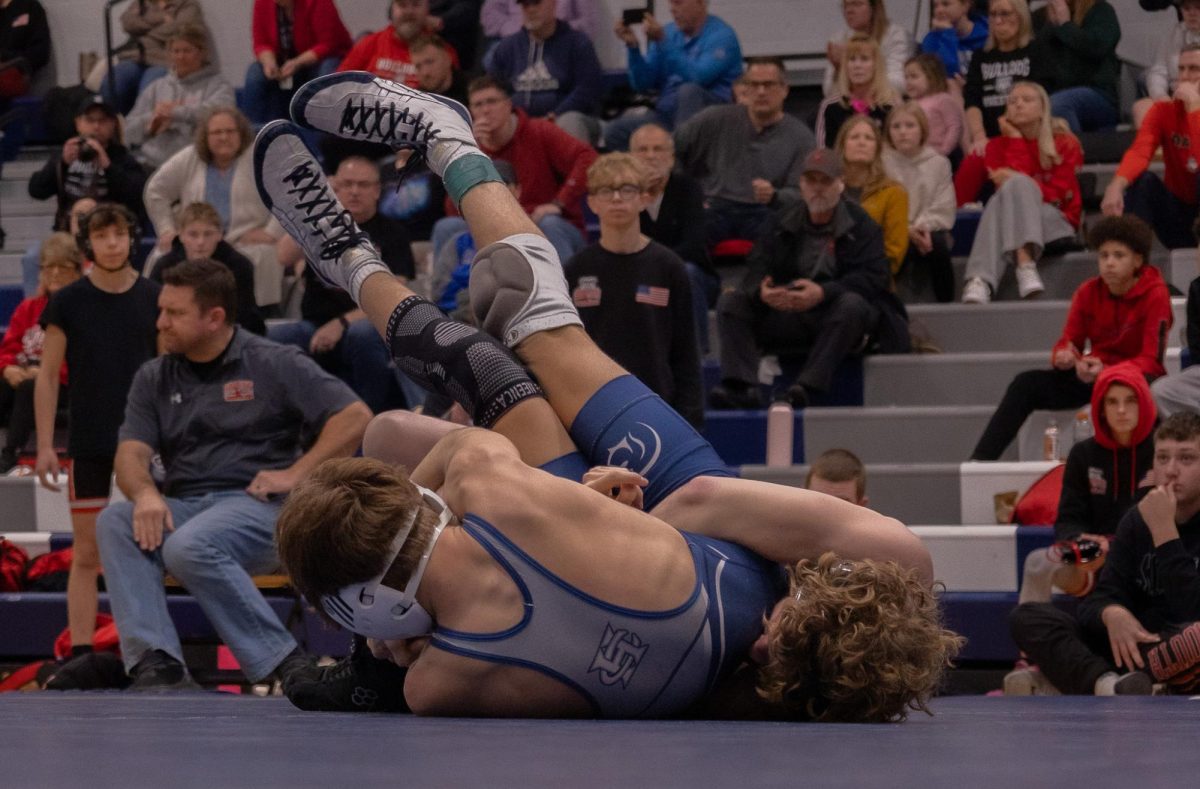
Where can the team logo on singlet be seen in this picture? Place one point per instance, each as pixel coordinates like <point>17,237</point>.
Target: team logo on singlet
<point>637,450</point>
<point>618,657</point>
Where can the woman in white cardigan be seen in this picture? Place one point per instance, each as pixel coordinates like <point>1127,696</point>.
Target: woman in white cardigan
<point>218,169</point>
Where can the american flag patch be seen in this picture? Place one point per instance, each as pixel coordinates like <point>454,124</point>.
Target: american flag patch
<point>655,297</point>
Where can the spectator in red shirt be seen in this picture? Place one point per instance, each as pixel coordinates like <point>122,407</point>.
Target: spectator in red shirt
<point>386,52</point>
<point>1168,204</point>
<point>551,167</point>
<point>294,41</point>
<point>21,349</point>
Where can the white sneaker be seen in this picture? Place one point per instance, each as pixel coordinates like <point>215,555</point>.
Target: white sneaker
<point>976,291</point>
<point>358,105</point>
<point>1028,682</point>
<point>293,187</point>
<point>1131,683</point>
<point>1029,284</point>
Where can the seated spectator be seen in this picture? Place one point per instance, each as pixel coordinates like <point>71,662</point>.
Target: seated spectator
<point>1181,391</point>
<point>24,47</point>
<point>21,348</point>
<point>839,473</point>
<point>1104,477</point>
<point>551,166</point>
<point>1033,166</point>
<point>552,71</point>
<point>747,155</point>
<point>386,52</point>
<point>869,18</point>
<point>817,280</point>
<point>1168,203</point>
<point>502,18</point>
<point>294,41</point>
<point>1162,76</point>
<point>925,83</point>
<point>230,414</point>
<point>674,217</point>
<point>436,72</point>
<point>103,327</point>
<point>1075,47</point>
<point>1004,60</point>
<point>218,169</point>
<point>691,63</point>
<point>95,164</point>
<point>143,58</point>
<point>331,327</point>
<point>1123,314</point>
<point>956,32</point>
<point>860,146</point>
<point>1120,640</point>
<point>863,89</point>
<point>457,23</point>
<point>31,261</point>
<point>925,176</point>
<point>633,293</point>
<point>163,119</point>
<point>200,237</point>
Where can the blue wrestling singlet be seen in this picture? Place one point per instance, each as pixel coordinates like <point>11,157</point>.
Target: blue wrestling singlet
<point>628,663</point>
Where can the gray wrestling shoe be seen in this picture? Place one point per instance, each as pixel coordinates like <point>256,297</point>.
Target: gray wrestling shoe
<point>358,105</point>
<point>294,189</point>
<point>518,288</point>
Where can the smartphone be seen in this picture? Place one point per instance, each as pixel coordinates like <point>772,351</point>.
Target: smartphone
<point>634,16</point>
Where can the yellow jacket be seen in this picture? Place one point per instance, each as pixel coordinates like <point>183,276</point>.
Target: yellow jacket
<point>889,208</point>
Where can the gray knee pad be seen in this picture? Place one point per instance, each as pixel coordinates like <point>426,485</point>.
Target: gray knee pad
<point>518,289</point>
<point>457,361</point>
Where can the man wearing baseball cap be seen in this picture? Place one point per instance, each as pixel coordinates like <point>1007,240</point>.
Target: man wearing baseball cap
<point>817,284</point>
<point>92,164</point>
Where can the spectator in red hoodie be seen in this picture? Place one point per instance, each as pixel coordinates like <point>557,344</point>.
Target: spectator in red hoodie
<point>551,167</point>
<point>21,349</point>
<point>1170,203</point>
<point>386,53</point>
<point>1124,313</point>
<point>294,41</point>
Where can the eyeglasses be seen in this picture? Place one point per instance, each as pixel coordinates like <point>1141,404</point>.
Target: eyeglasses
<point>626,191</point>
<point>1002,14</point>
<point>767,85</point>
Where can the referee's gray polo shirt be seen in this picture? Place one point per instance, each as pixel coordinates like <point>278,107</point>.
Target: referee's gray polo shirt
<point>252,413</point>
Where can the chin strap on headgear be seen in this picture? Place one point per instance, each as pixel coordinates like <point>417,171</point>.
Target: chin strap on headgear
<point>376,611</point>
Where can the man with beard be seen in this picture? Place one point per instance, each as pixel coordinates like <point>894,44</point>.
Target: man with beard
<point>387,53</point>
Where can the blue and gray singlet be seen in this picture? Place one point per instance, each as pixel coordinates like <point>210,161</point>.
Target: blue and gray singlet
<point>627,663</point>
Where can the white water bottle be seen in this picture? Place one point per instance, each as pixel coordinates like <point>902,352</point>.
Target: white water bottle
<point>1050,441</point>
<point>1083,426</point>
<point>781,424</point>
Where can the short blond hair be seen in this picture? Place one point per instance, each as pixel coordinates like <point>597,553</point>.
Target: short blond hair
<point>61,247</point>
<point>612,169</point>
<point>198,212</point>
<point>855,642</point>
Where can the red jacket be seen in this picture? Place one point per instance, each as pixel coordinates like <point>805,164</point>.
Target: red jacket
<point>386,55</point>
<point>316,25</point>
<point>22,343</point>
<point>1131,328</point>
<point>550,165</point>
<point>1170,126</point>
<point>1060,186</point>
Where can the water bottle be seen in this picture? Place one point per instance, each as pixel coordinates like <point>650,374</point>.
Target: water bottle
<point>781,422</point>
<point>1083,426</point>
<point>1050,441</point>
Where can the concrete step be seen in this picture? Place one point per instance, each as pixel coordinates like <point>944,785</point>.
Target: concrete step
<point>28,208</point>
<point>898,434</point>
<point>972,378</point>
<point>909,492</point>
<point>10,268</point>
<point>25,228</point>
<point>20,169</point>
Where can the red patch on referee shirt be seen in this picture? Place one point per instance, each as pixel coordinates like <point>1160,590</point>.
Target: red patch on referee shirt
<point>239,391</point>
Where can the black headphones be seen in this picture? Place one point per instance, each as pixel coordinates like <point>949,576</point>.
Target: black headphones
<point>83,237</point>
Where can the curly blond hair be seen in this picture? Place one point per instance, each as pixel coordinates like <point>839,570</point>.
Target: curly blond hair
<point>856,642</point>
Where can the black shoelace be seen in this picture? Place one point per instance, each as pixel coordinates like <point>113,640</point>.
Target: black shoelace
<point>385,123</point>
<point>322,212</point>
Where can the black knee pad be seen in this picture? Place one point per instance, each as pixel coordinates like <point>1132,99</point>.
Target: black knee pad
<point>457,361</point>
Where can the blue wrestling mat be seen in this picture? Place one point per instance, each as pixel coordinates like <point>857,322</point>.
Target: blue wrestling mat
<point>213,740</point>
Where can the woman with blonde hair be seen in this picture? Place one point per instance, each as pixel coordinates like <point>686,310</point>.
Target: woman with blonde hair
<point>925,175</point>
<point>869,18</point>
<point>1034,167</point>
<point>1004,59</point>
<point>862,89</point>
<point>860,146</point>
<point>218,168</point>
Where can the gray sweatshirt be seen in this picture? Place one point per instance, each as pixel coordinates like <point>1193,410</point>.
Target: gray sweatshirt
<point>195,93</point>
